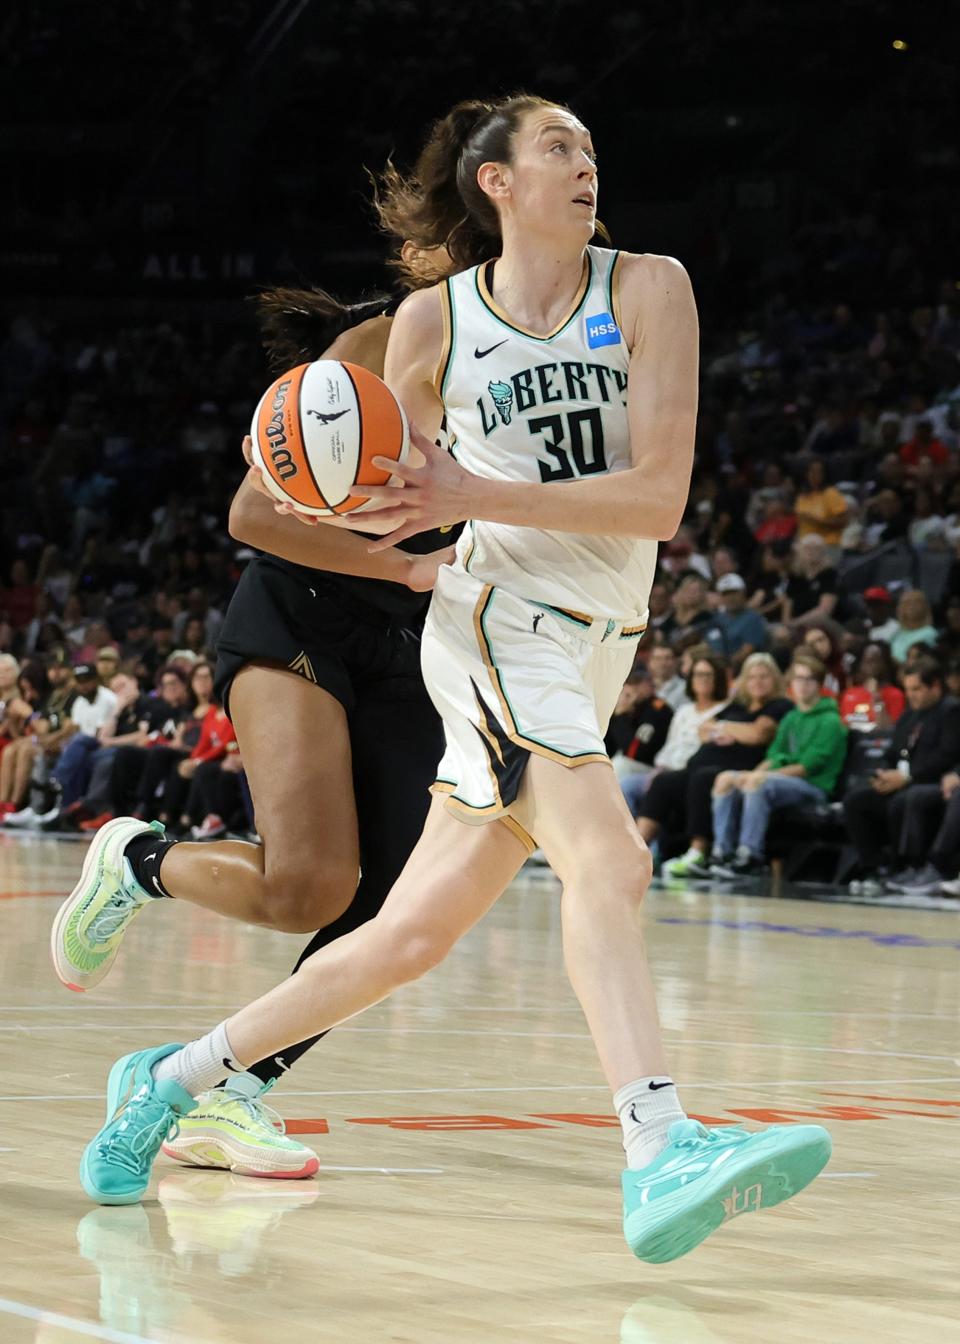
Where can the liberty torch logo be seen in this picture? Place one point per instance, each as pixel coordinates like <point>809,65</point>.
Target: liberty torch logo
<point>502,394</point>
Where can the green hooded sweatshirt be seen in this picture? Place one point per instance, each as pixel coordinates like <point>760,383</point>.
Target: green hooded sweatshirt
<point>815,738</point>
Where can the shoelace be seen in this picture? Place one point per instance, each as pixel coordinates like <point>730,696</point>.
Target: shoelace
<point>257,1109</point>
<point>129,1150</point>
<point>703,1135</point>
<point>112,917</point>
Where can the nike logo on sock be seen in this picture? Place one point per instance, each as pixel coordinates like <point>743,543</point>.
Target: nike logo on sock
<point>157,887</point>
<point>655,1087</point>
<point>229,1064</point>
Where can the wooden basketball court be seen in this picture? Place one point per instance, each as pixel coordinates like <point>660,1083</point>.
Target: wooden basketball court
<point>469,1186</point>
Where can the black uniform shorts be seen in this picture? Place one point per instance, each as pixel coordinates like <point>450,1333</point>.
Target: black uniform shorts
<point>276,617</point>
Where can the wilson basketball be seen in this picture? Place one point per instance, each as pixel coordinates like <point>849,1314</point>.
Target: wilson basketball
<point>316,430</point>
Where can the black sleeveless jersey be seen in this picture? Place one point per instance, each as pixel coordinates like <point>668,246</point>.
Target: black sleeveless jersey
<point>373,597</point>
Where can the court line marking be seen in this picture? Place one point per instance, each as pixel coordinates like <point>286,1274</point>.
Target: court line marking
<point>460,1008</point>
<point>535,1091</point>
<point>390,1171</point>
<point>73,1323</point>
<point>388,1029</point>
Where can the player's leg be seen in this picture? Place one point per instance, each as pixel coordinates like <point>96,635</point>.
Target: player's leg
<point>683,1180</point>
<point>397,740</point>
<point>304,873</point>
<point>453,877</point>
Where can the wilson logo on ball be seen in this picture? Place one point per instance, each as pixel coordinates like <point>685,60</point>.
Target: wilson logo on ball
<point>320,460</point>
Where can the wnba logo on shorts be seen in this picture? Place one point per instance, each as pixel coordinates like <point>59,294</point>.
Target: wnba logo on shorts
<point>602,330</point>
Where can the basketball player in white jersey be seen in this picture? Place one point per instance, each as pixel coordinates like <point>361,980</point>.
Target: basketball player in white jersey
<point>568,375</point>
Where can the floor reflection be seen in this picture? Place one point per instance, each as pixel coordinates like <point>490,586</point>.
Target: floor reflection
<point>155,1264</point>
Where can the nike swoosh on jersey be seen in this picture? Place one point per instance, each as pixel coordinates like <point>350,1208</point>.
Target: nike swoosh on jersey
<point>482,354</point>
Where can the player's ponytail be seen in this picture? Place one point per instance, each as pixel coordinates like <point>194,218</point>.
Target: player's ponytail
<point>440,204</point>
<point>298,325</point>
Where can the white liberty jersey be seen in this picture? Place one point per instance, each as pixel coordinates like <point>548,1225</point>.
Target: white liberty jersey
<point>550,409</point>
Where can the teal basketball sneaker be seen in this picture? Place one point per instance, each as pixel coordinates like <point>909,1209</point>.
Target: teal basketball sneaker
<point>234,1129</point>
<point>90,925</point>
<point>705,1177</point>
<point>141,1115</point>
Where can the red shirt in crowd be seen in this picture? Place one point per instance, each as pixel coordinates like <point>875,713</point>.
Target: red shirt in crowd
<point>911,452</point>
<point>216,731</point>
<point>857,704</point>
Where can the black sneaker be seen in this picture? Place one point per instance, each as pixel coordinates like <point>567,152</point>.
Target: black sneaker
<point>743,865</point>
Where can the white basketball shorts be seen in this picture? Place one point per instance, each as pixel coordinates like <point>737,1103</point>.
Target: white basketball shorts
<point>510,677</point>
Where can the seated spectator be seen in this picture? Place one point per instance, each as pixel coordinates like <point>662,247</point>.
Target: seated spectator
<point>163,785</point>
<point>736,631</point>
<point>885,519</point>
<point>707,694</point>
<point>736,739</point>
<point>668,684</point>
<point>923,444</point>
<point>19,716</point>
<point>874,702</point>
<point>691,612</point>
<point>914,624</point>
<point>638,727</point>
<point>161,644</point>
<point>93,706</point>
<point>824,639</point>
<point>812,588</point>
<point>158,730</point>
<point>37,751</point>
<point>880,618</point>
<point>108,664</point>
<point>770,583</point>
<point>778,523</point>
<point>820,508</point>
<point>123,729</point>
<point>179,804</point>
<point>9,676</point>
<point>931,808</point>
<point>98,637</point>
<point>925,747</point>
<point>219,792</point>
<point>802,765</point>
<point>928,526</point>
<point>659,605</point>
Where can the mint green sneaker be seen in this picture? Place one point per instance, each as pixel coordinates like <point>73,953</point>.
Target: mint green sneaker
<point>141,1113</point>
<point>691,865</point>
<point>704,1177</point>
<point>90,924</point>
<point>234,1129</point>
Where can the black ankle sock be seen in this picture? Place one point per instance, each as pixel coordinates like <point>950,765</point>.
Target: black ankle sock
<point>146,853</point>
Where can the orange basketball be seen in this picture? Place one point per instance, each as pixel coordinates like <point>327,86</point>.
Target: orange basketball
<point>316,429</point>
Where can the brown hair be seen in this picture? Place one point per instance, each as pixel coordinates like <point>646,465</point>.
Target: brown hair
<point>811,662</point>
<point>717,666</point>
<point>441,204</point>
<point>298,325</point>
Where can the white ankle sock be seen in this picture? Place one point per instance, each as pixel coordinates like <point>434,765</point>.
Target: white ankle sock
<point>647,1108</point>
<point>200,1064</point>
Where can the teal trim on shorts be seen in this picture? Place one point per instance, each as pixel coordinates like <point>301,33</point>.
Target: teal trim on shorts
<point>521,732</point>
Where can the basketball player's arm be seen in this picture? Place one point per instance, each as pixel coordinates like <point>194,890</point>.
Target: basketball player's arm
<point>254,521</point>
<point>659,317</point>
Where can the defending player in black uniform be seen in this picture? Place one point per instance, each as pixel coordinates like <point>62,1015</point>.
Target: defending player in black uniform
<point>319,669</point>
